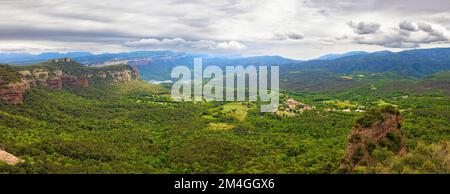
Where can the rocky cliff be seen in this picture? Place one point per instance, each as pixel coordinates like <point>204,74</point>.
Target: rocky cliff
<point>379,128</point>
<point>57,74</point>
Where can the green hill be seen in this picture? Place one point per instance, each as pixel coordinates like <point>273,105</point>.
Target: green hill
<point>135,127</point>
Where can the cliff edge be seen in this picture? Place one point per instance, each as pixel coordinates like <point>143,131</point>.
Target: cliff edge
<point>378,128</point>
<point>57,74</point>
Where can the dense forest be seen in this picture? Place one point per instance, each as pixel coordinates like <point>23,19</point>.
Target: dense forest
<point>135,127</point>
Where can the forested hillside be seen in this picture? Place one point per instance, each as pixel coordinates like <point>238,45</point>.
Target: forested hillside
<point>135,127</point>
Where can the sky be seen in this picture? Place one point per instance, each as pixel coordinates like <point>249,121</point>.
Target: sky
<point>299,29</point>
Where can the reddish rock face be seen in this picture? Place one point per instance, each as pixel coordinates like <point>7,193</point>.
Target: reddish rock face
<point>55,83</point>
<point>74,81</point>
<point>136,73</point>
<point>82,82</point>
<point>13,93</point>
<point>363,140</point>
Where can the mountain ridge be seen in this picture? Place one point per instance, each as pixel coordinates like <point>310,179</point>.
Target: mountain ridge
<point>412,63</point>
<point>157,65</point>
<point>336,56</point>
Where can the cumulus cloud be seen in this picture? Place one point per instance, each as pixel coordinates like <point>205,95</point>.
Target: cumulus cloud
<point>436,35</point>
<point>180,43</point>
<point>233,45</point>
<point>156,42</point>
<point>364,28</point>
<point>405,36</point>
<point>407,25</point>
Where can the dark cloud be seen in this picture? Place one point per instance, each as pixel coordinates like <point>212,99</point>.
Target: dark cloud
<point>289,36</point>
<point>364,28</point>
<point>407,25</point>
<point>295,36</point>
<point>406,36</point>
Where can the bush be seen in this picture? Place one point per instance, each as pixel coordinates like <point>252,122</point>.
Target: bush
<point>389,109</point>
<point>370,146</point>
<point>376,114</point>
<point>357,155</point>
<point>356,138</point>
<point>371,116</point>
<point>8,75</point>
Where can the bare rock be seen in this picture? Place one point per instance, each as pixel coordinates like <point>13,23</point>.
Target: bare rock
<point>378,128</point>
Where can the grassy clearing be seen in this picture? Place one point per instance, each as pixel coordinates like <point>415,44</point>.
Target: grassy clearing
<point>220,126</point>
<point>236,110</point>
<point>341,104</point>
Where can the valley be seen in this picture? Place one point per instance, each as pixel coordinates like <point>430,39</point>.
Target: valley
<point>132,126</point>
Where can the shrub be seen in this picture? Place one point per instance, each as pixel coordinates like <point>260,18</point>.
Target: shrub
<point>370,117</point>
<point>8,75</point>
<point>357,155</point>
<point>370,146</point>
<point>376,114</point>
<point>389,109</point>
<point>356,138</point>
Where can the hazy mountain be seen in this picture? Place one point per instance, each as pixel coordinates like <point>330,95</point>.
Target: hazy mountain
<point>413,63</point>
<point>160,68</point>
<point>27,58</point>
<point>336,56</point>
<point>158,64</point>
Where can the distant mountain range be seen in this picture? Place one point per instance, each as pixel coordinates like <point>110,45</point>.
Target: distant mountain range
<point>158,64</point>
<point>28,58</point>
<point>336,56</point>
<point>411,63</point>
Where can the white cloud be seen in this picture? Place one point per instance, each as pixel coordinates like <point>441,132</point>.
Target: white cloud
<point>180,43</point>
<point>233,45</point>
<point>156,42</point>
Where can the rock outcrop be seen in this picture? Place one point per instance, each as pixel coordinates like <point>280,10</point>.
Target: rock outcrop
<point>75,81</point>
<point>13,92</point>
<point>9,158</point>
<point>57,74</point>
<point>379,128</point>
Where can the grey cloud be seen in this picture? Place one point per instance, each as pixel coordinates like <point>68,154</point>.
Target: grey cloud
<point>425,27</point>
<point>404,37</point>
<point>436,35</point>
<point>390,41</point>
<point>407,25</point>
<point>288,36</point>
<point>295,36</point>
<point>364,28</point>
<point>397,6</point>
<point>180,43</point>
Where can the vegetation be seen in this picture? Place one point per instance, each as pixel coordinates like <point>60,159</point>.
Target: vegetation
<point>8,75</point>
<point>135,127</point>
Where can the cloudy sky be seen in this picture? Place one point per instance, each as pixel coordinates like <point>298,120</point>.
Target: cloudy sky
<point>301,29</point>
